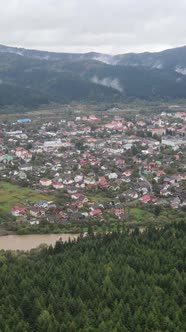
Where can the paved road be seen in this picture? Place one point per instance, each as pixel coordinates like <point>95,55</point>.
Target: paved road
<point>145,180</point>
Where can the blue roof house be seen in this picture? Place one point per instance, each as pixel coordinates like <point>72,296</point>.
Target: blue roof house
<point>25,120</point>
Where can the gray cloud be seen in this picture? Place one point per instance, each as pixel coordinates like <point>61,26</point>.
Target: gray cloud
<point>109,26</point>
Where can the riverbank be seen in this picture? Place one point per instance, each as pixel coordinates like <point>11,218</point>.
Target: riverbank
<point>27,242</point>
<point>23,229</point>
<point>5,232</point>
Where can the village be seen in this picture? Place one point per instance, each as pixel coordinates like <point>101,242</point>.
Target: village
<point>100,167</point>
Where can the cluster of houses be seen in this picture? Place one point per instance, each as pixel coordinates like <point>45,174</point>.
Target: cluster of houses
<point>95,164</point>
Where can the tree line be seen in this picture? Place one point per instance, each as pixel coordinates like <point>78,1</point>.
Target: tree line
<point>118,282</point>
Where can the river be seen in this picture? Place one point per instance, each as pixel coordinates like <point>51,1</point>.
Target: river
<point>28,242</point>
<point>31,241</point>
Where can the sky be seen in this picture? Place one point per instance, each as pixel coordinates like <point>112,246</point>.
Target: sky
<point>107,26</point>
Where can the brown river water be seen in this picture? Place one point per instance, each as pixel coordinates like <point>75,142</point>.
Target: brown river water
<point>31,241</point>
<point>28,242</point>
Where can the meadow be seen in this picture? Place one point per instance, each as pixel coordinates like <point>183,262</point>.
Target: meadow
<point>11,195</point>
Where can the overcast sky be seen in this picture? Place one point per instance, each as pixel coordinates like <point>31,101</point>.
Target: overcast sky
<point>109,26</point>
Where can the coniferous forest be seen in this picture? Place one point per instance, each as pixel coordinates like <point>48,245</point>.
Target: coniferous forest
<point>117,282</point>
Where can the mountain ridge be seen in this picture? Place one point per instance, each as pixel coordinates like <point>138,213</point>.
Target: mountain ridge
<point>122,58</point>
<point>42,77</point>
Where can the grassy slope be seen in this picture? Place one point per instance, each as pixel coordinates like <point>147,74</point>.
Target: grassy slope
<point>138,214</point>
<point>15,195</point>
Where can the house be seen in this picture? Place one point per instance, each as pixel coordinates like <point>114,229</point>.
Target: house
<point>103,182</point>
<point>175,203</point>
<point>22,153</point>
<point>141,123</point>
<point>45,182</point>
<point>118,211</point>
<point>25,120</point>
<point>181,115</point>
<point>26,167</point>
<point>6,158</point>
<point>2,167</point>
<point>127,173</point>
<point>165,191</point>
<point>119,161</point>
<point>84,214</point>
<point>72,190</point>
<point>95,212</point>
<point>159,173</point>
<point>37,211</point>
<point>82,163</point>
<point>42,204</point>
<point>60,213</point>
<point>68,181</point>
<point>52,145</point>
<point>183,203</point>
<point>34,222</point>
<point>112,176</point>
<point>145,199</point>
<point>18,211</point>
<point>78,178</point>
<point>93,117</point>
<point>76,196</point>
<point>89,180</point>
<point>76,204</point>
<point>57,184</point>
<point>91,139</point>
<point>114,125</point>
<point>149,166</point>
<point>170,180</point>
<point>158,131</point>
<point>133,194</point>
<point>22,175</point>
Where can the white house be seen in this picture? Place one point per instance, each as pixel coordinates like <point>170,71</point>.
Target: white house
<point>45,182</point>
<point>112,176</point>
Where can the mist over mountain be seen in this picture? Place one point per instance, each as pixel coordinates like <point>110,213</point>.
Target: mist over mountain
<point>32,78</point>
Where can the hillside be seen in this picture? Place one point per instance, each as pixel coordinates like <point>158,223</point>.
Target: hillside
<point>118,282</point>
<point>31,78</point>
<point>172,59</point>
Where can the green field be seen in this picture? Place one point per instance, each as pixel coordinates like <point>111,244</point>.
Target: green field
<point>98,197</point>
<point>137,214</point>
<point>11,194</point>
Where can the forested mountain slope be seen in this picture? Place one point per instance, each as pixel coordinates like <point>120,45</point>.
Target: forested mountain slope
<point>168,59</point>
<point>173,59</point>
<point>108,283</point>
<point>32,78</point>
